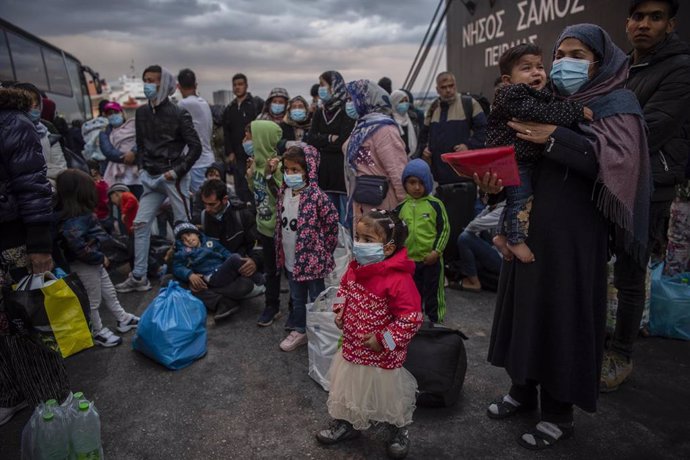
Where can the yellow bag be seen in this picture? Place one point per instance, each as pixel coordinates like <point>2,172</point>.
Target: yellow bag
<point>57,309</point>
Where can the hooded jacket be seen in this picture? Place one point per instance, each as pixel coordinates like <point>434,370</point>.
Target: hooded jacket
<point>25,193</point>
<point>426,217</point>
<point>379,298</point>
<point>204,260</point>
<point>661,82</point>
<point>317,227</point>
<point>163,131</point>
<point>265,137</point>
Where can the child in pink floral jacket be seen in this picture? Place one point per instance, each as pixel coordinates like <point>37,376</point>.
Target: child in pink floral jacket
<point>306,236</point>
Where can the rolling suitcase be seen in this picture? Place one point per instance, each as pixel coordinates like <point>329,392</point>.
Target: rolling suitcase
<point>438,360</point>
<point>459,200</point>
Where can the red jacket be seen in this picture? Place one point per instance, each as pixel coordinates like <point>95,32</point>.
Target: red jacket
<point>379,298</point>
<point>128,208</point>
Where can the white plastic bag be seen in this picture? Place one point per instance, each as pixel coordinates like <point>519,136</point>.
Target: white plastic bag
<point>323,336</point>
<point>342,256</point>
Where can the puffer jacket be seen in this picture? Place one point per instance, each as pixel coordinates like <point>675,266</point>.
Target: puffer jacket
<point>83,236</point>
<point>317,227</point>
<point>204,260</point>
<point>25,193</point>
<point>379,298</point>
<point>162,134</point>
<point>661,82</point>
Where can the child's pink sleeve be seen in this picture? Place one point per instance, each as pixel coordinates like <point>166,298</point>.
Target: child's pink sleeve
<point>405,306</point>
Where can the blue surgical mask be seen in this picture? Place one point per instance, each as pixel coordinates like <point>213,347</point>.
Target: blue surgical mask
<point>277,109</point>
<point>116,120</point>
<point>298,114</point>
<point>294,181</point>
<point>35,115</point>
<point>368,253</point>
<point>569,74</point>
<point>150,90</point>
<point>402,108</point>
<point>350,110</point>
<point>324,95</point>
<point>248,148</point>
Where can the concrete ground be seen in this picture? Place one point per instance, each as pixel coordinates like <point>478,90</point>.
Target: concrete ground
<point>247,399</point>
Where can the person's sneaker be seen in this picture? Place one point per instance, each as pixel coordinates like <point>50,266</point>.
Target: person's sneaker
<point>226,308</point>
<point>106,338</point>
<point>399,445</point>
<point>615,369</point>
<point>131,323</point>
<point>256,291</point>
<point>293,341</point>
<point>268,316</point>
<point>338,430</point>
<point>132,284</point>
<point>6,413</point>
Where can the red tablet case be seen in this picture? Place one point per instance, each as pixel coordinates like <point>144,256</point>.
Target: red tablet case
<point>495,160</point>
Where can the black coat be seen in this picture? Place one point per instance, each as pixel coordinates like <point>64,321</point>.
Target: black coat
<point>162,135</point>
<point>236,230</point>
<point>331,169</point>
<point>235,118</point>
<point>661,83</point>
<point>25,193</point>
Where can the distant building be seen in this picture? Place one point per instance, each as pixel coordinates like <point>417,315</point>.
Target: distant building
<point>222,97</point>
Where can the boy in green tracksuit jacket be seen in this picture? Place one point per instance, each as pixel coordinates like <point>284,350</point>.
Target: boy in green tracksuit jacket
<point>429,229</point>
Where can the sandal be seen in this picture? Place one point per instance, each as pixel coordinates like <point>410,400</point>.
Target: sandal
<point>506,409</point>
<point>545,435</point>
<point>462,287</point>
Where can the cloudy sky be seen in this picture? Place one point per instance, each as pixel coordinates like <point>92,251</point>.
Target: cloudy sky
<point>275,42</point>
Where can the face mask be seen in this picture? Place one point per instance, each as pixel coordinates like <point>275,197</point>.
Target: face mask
<point>350,110</point>
<point>150,90</point>
<point>298,114</point>
<point>324,95</point>
<point>248,148</point>
<point>277,109</point>
<point>294,181</point>
<point>35,115</point>
<point>568,74</point>
<point>403,107</point>
<point>116,120</point>
<point>368,253</point>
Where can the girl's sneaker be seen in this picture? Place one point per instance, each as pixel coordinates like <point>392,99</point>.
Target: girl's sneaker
<point>106,338</point>
<point>130,323</point>
<point>293,340</point>
<point>399,445</point>
<point>338,430</point>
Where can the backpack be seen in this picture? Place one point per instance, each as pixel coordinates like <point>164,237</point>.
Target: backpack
<point>468,106</point>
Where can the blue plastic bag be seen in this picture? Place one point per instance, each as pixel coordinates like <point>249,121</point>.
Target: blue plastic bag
<point>669,315</point>
<point>172,330</point>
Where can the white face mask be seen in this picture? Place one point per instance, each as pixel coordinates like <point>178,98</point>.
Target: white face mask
<point>368,253</point>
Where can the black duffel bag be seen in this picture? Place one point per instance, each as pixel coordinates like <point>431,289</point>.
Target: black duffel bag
<point>437,358</point>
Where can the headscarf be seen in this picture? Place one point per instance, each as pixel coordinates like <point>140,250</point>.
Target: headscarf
<point>338,92</point>
<point>166,88</point>
<point>404,120</point>
<point>618,137</point>
<point>373,106</point>
<point>306,124</point>
<point>266,113</point>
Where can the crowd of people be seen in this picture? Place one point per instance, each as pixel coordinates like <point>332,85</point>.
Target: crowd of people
<point>602,148</point>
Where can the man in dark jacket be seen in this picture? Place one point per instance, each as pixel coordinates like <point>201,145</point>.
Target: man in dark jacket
<point>167,148</point>
<point>25,243</point>
<point>237,115</point>
<point>660,77</point>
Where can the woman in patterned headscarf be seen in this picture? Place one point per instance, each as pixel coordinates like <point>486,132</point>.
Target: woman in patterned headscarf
<point>375,147</point>
<point>330,127</point>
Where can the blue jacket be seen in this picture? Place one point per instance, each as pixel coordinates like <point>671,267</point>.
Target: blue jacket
<point>204,260</point>
<point>83,236</point>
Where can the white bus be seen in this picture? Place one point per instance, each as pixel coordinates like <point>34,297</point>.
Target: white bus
<point>26,58</point>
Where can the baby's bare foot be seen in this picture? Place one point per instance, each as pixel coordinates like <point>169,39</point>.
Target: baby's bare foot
<point>501,243</point>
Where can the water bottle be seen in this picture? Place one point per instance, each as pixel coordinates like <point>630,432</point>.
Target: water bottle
<point>51,438</point>
<point>85,435</point>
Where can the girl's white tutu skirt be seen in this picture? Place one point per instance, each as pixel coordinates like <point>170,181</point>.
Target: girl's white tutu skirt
<point>364,394</point>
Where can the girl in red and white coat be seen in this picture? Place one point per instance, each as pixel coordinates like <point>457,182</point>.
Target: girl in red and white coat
<point>378,309</point>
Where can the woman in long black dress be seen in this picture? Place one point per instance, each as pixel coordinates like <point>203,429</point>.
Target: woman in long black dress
<point>549,323</point>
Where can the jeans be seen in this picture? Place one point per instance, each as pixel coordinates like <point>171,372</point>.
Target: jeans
<point>302,292</point>
<point>272,295</point>
<point>197,176</point>
<point>156,190</point>
<point>516,220</point>
<point>475,255</point>
<point>99,288</point>
<point>228,272</point>
<point>552,410</point>
<point>340,202</point>
<point>429,280</point>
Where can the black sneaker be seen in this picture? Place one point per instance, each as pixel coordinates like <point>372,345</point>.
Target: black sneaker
<point>399,445</point>
<point>226,307</point>
<point>268,316</point>
<point>338,430</point>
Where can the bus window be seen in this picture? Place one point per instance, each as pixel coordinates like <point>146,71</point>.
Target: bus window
<point>28,62</point>
<point>57,72</point>
<point>75,78</point>
<point>6,73</point>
